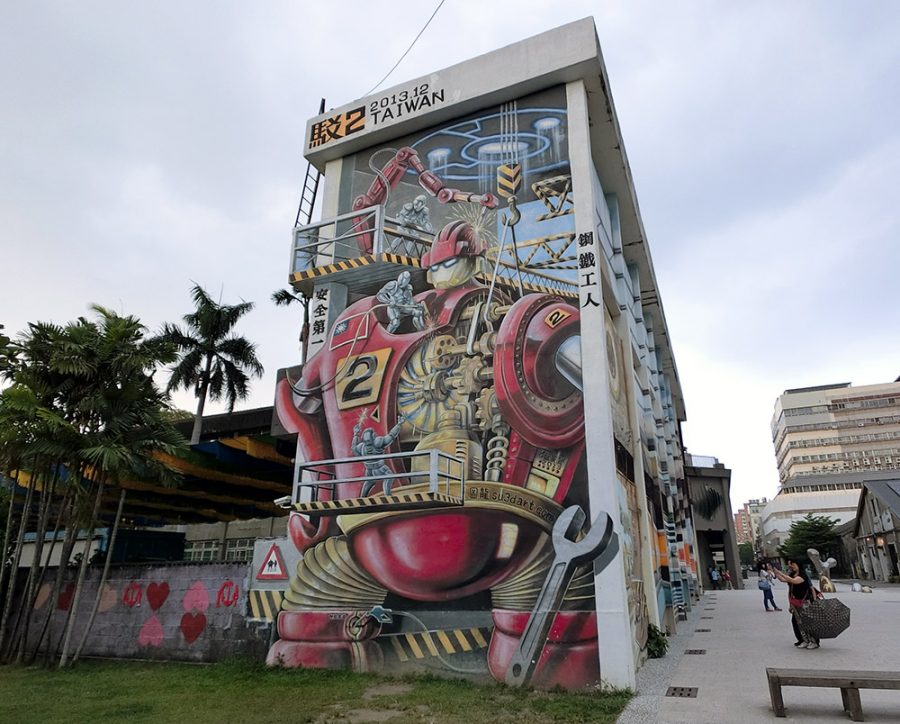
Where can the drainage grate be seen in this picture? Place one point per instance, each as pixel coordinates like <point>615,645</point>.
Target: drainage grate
<point>707,618</point>
<point>696,652</point>
<point>682,692</point>
<point>702,630</point>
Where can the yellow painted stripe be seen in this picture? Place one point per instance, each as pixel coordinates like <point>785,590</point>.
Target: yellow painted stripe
<point>448,647</point>
<point>479,639</point>
<point>414,646</point>
<point>462,640</point>
<point>265,604</point>
<point>398,649</point>
<point>254,604</point>
<point>429,643</point>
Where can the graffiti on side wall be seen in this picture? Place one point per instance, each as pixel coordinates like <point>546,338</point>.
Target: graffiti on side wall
<point>439,417</point>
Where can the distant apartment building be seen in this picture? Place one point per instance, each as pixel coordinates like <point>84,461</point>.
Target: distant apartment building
<point>837,429</point>
<point>828,441</point>
<point>742,527</point>
<point>747,521</point>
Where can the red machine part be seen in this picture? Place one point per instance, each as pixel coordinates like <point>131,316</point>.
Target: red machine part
<point>534,397</point>
<point>393,172</point>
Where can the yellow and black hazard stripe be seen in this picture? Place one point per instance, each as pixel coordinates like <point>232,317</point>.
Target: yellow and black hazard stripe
<point>431,644</point>
<point>355,263</point>
<point>395,501</point>
<point>509,179</point>
<point>264,605</point>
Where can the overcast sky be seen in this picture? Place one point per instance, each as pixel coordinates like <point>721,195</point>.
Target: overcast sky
<point>144,146</point>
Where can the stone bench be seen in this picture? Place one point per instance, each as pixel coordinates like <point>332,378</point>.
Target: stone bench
<point>849,682</point>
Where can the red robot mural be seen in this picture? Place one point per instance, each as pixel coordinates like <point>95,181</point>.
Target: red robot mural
<point>440,441</point>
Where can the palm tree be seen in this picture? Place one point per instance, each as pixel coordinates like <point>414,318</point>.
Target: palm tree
<point>82,397</point>
<point>213,361</point>
<point>284,298</point>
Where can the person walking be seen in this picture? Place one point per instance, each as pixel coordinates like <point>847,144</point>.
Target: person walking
<point>800,591</point>
<point>714,577</point>
<point>765,585</point>
<point>726,576</point>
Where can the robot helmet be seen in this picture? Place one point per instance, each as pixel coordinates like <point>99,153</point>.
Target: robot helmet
<point>457,238</point>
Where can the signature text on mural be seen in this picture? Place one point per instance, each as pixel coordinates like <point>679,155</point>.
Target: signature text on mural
<point>404,103</point>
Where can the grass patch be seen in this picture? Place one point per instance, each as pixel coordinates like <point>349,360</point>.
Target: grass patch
<point>248,692</point>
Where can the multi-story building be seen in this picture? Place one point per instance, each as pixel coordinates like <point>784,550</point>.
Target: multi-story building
<point>836,429</point>
<point>747,521</point>
<point>828,441</point>
<point>742,527</point>
<point>480,255</point>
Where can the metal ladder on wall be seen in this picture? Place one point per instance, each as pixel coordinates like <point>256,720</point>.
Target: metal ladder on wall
<point>310,189</point>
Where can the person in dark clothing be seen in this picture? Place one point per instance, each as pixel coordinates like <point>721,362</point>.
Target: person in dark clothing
<point>800,591</point>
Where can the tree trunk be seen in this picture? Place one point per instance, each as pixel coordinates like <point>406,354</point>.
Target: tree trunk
<point>109,553</point>
<point>79,584</point>
<point>17,555</point>
<point>46,566</point>
<point>28,601</point>
<point>65,555</point>
<point>304,330</point>
<point>201,403</point>
<point>8,533</point>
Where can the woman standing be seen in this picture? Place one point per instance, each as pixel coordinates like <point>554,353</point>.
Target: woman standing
<point>800,591</point>
<point>765,585</point>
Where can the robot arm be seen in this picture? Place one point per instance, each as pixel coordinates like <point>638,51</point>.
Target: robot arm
<point>392,172</point>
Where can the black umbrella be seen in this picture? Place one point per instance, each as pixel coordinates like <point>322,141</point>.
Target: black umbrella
<point>825,618</point>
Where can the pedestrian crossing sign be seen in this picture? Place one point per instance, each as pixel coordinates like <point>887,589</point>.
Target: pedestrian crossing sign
<point>272,568</point>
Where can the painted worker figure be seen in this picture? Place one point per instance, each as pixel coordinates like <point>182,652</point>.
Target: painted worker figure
<point>415,214</point>
<point>398,296</point>
<point>366,442</point>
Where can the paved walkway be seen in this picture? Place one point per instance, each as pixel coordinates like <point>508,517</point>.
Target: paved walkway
<point>744,639</point>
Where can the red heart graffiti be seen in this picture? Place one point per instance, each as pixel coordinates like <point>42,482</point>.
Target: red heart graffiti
<point>65,598</point>
<point>157,593</point>
<point>132,595</point>
<point>192,625</point>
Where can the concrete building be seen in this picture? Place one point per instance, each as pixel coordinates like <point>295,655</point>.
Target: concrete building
<point>837,429</point>
<point>480,236</point>
<point>787,508</point>
<point>709,482</point>
<point>747,521</point>
<point>877,530</point>
<point>828,441</point>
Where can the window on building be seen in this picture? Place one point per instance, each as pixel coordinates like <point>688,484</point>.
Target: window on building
<point>201,550</point>
<point>239,550</point>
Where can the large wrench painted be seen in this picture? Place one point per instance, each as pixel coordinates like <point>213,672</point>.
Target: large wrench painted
<point>600,544</point>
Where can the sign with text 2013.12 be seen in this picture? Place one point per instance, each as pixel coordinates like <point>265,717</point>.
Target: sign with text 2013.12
<point>399,104</point>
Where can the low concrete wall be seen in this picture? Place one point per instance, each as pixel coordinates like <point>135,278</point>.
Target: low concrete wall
<point>185,612</point>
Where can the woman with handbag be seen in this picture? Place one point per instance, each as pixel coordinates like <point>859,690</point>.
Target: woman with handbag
<point>800,591</point>
<point>765,585</point>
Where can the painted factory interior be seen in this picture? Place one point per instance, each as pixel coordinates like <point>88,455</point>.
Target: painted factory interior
<point>489,475</point>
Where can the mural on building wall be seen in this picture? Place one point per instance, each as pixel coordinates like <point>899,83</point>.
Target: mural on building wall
<point>440,419</point>
<point>185,612</point>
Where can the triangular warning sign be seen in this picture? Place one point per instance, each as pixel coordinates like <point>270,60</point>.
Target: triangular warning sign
<point>272,568</point>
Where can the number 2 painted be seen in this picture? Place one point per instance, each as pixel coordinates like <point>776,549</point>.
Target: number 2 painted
<point>360,378</point>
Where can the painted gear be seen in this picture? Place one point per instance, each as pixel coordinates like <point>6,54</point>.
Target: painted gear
<point>534,397</point>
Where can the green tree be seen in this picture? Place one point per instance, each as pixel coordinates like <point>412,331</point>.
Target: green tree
<point>745,552</point>
<point>285,298</point>
<point>83,398</point>
<point>213,362</point>
<point>813,531</point>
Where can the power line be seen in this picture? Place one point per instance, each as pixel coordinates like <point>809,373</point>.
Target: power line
<point>408,49</point>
